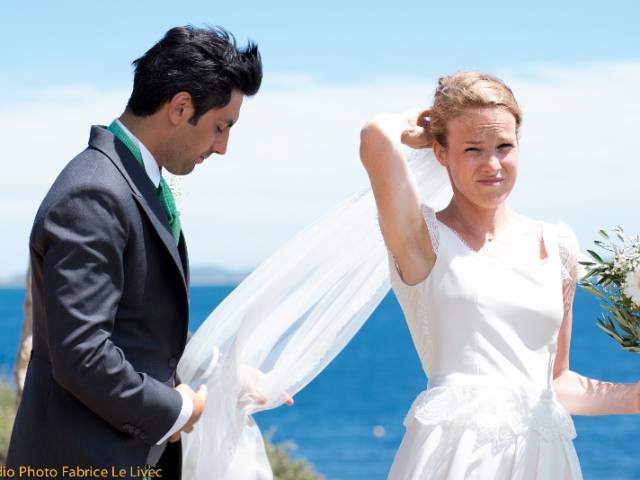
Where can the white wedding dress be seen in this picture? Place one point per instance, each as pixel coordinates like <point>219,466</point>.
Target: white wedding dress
<point>485,328</point>
<point>485,331</point>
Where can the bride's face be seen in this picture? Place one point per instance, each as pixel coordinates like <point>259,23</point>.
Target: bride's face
<point>481,155</point>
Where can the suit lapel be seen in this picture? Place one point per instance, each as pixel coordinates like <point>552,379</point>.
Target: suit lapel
<point>142,189</point>
<point>184,256</point>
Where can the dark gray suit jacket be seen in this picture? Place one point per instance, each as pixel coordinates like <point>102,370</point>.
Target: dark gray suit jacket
<point>110,315</point>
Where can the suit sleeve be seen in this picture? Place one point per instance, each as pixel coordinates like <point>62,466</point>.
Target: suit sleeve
<point>85,236</point>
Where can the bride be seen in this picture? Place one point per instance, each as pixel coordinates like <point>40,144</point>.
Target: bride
<point>487,294</point>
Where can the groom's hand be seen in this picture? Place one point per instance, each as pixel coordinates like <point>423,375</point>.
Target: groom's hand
<point>199,399</point>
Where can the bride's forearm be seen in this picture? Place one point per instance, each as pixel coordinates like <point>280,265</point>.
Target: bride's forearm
<point>586,396</point>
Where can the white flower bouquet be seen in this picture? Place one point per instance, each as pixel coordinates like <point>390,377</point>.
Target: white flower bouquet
<point>616,282</point>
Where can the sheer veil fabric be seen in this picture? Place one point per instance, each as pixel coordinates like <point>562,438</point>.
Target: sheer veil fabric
<point>285,323</point>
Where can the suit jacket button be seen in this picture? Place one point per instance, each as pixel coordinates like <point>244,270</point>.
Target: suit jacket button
<point>143,436</point>
<point>173,362</point>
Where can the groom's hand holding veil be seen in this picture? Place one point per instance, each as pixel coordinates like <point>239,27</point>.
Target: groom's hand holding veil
<point>198,400</point>
<point>250,399</point>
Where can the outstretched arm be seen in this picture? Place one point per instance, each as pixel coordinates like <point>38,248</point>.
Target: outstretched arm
<point>581,395</point>
<point>395,191</point>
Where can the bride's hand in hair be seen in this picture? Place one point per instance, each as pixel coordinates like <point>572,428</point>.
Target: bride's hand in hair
<point>417,133</point>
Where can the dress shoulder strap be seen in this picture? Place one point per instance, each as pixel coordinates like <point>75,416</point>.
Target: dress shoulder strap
<point>429,215</point>
<point>569,251</point>
<point>570,269</point>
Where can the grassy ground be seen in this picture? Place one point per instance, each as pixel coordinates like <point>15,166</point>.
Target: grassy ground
<point>7,412</point>
<point>286,469</point>
<point>283,467</point>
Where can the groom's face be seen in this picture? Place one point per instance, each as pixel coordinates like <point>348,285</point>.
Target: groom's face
<point>192,144</point>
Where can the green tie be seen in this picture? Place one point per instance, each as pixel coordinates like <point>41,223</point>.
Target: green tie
<point>163,191</point>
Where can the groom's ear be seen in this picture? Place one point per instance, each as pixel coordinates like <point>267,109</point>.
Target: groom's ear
<point>180,108</point>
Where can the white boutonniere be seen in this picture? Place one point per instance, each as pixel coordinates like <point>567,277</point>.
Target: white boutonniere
<point>175,185</point>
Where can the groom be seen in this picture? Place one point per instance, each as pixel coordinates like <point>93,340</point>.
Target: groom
<point>110,270</point>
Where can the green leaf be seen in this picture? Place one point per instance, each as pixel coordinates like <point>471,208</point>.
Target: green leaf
<point>587,264</point>
<point>592,273</point>
<point>595,255</point>
<point>593,291</point>
<point>602,281</point>
<point>611,332</point>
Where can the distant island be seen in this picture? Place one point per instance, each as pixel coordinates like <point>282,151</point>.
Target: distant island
<point>13,281</point>
<point>201,275</point>
<point>214,276</point>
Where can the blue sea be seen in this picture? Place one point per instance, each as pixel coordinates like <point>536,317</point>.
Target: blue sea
<point>372,383</point>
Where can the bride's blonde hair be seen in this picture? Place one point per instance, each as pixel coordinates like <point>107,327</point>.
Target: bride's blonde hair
<point>464,90</point>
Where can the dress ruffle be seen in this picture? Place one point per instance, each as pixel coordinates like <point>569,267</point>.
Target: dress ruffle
<point>497,414</point>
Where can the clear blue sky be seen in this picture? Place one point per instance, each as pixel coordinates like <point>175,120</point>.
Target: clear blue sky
<point>574,66</point>
<point>336,41</point>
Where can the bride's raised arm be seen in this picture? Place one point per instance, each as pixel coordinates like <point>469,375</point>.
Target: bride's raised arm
<point>395,190</point>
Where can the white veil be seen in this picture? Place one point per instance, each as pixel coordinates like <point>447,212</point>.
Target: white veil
<point>284,323</point>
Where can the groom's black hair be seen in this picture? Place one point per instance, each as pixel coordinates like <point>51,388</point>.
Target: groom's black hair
<point>204,62</point>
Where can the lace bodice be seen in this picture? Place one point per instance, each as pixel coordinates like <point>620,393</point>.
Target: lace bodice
<point>486,328</point>
<point>567,244</point>
<point>569,251</point>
